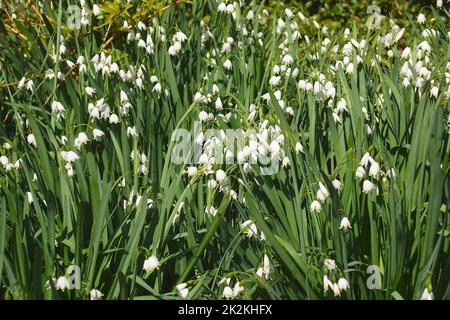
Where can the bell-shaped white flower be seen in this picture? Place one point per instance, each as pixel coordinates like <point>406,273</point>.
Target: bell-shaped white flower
<point>96,294</point>
<point>343,284</point>
<point>345,223</point>
<point>367,186</point>
<point>151,263</point>
<point>315,206</point>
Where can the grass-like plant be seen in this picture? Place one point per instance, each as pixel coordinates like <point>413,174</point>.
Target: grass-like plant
<point>355,117</point>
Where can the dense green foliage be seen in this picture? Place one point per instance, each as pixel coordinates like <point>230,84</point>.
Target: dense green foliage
<point>357,141</point>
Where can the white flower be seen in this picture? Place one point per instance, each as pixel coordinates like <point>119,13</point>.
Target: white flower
<point>249,228</point>
<point>191,171</point>
<point>81,140</point>
<point>230,8</point>
<point>367,186</point>
<point>30,85</point>
<point>151,264</point>
<point>218,104</point>
<point>97,134</point>
<point>287,59</point>
<point>227,64</point>
<point>336,290</point>
<point>250,15</point>
<point>320,196</point>
<point>365,159</point>
<point>212,184</point>
<point>203,116</point>
<point>96,294</point>
<point>330,264</point>
<point>31,140</point>
<point>211,211</point>
<point>299,147</point>
<point>326,283</point>
<point>131,131</point>
<point>274,80</point>
<point>238,289</point>
<point>345,223</point>
<point>343,284</point>
<point>113,118</point>
<point>96,10</point>
<point>228,293</point>
<point>360,172</point>
<point>421,18</point>
<point>315,206</point>
<point>434,91</point>
<point>30,197</point>
<point>183,291</point>
<point>324,190</point>
<point>62,283</point>
<point>341,105</point>
<point>220,176</point>
<point>69,156</point>
<point>157,88</point>
<point>337,184</point>
<point>374,169</point>
<point>426,295</point>
<point>89,91</point>
<point>264,271</point>
<point>222,7</point>
<point>22,83</point>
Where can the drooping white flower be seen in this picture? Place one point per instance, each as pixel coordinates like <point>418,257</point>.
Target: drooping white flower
<point>327,283</point>
<point>265,270</point>
<point>287,60</point>
<point>89,91</point>
<point>31,140</point>
<point>221,176</point>
<point>365,159</point>
<point>22,83</point>
<point>131,131</point>
<point>238,289</point>
<point>222,7</point>
<point>323,189</point>
<point>96,294</point>
<point>211,211</point>
<point>228,293</point>
<point>330,264</point>
<point>69,156</point>
<point>343,284</point>
<point>421,18</point>
<point>360,172</point>
<point>96,10</point>
<point>97,133</point>
<point>426,295</point>
<point>337,184</point>
<point>191,171</point>
<point>367,186</point>
<point>227,64</point>
<point>315,206</point>
<point>151,263</point>
<point>30,197</point>
<point>299,148</point>
<point>434,91</point>
<point>374,169</point>
<point>182,290</point>
<point>345,223</point>
<point>62,283</point>
<point>249,228</point>
<point>81,140</point>
<point>336,290</point>
<point>212,184</point>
